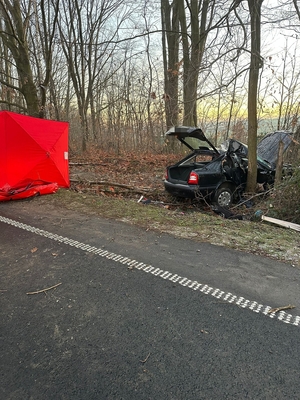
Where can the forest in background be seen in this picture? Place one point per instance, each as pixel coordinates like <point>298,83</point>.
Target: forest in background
<point>122,72</point>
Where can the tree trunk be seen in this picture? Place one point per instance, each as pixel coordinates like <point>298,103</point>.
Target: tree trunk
<point>170,44</point>
<point>14,37</point>
<point>255,65</point>
<point>192,55</point>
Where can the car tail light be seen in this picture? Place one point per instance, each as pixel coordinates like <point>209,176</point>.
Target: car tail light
<point>166,175</point>
<point>193,179</point>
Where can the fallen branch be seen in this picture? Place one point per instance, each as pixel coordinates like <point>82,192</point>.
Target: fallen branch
<point>44,290</point>
<point>101,183</point>
<point>103,191</point>
<point>275,310</point>
<point>122,185</point>
<point>86,163</point>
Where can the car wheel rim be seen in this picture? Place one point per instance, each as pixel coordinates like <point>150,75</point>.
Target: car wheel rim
<point>224,199</point>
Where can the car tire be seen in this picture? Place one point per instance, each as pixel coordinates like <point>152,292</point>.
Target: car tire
<point>223,196</point>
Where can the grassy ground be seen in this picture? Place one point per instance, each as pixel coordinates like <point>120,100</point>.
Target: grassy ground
<point>110,186</point>
<point>185,221</point>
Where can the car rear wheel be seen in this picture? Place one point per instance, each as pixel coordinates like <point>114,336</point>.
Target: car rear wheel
<point>223,196</point>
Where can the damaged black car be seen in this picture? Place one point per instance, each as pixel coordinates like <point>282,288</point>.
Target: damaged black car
<point>219,175</point>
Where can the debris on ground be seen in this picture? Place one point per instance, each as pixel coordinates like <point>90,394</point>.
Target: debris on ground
<point>144,200</point>
<point>45,290</point>
<point>226,212</point>
<point>279,222</point>
<point>275,310</point>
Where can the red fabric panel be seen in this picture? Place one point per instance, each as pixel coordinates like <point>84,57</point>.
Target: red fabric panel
<point>28,190</point>
<point>33,149</point>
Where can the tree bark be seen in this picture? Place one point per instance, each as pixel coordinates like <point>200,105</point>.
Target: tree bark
<point>14,37</point>
<point>192,55</point>
<point>255,65</point>
<point>170,44</point>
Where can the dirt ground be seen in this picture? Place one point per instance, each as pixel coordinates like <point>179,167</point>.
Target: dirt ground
<point>124,175</point>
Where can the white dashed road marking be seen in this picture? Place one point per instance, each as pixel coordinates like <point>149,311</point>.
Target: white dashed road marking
<point>217,293</point>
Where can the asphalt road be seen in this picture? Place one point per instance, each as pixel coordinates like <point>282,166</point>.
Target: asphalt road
<point>139,315</point>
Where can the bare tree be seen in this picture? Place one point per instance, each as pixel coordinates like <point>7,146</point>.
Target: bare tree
<point>199,22</point>
<point>170,47</point>
<point>93,63</point>
<point>46,14</point>
<point>200,19</point>
<point>14,35</point>
<point>9,97</point>
<point>297,8</point>
<point>28,35</point>
<point>255,65</point>
<point>87,39</point>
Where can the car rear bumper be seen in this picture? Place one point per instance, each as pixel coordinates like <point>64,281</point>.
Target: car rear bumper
<point>181,190</point>
<point>185,190</point>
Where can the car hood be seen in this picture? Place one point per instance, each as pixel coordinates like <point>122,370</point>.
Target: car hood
<point>192,137</point>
